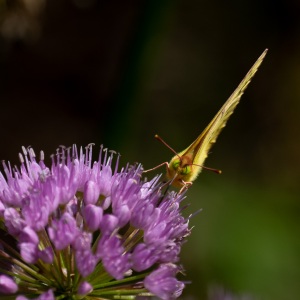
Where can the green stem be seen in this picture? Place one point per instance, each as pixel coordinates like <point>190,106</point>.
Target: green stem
<point>119,282</point>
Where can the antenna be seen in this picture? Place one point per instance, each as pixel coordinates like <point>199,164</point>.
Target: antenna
<point>209,169</point>
<point>167,164</point>
<point>162,141</point>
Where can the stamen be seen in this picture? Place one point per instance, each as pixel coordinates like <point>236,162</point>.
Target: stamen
<point>100,155</point>
<point>105,156</point>
<point>52,157</point>
<point>138,170</point>
<point>110,159</point>
<point>117,163</point>
<point>81,155</point>
<point>74,152</point>
<point>21,159</point>
<point>57,156</point>
<point>89,148</point>
<point>63,154</point>
<point>42,158</point>
<point>31,154</point>
<point>24,150</point>
<point>26,158</point>
<point>6,170</point>
<point>42,155</point>
<point>68,155</point>
<point>195,213</point>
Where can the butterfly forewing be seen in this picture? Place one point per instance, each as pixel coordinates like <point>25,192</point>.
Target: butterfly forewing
<point>197,152</point>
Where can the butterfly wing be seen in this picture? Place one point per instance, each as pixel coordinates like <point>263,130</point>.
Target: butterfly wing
<point>200,147</point>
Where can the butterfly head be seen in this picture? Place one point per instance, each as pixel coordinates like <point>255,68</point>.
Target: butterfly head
<point>181,169</point>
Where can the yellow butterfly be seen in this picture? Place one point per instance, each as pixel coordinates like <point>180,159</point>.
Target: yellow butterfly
<point>186,165</point>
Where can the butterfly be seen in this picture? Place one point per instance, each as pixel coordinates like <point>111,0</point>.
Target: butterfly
<point>186,165</point>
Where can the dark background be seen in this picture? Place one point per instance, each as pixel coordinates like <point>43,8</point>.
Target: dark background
<point>117,72</point>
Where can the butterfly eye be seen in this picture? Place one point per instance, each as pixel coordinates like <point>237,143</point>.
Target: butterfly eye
<point>176,164</point>
<point>186,170</point>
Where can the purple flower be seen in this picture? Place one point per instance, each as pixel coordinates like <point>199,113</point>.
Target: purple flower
<point>162,282</point>
<point>144,257</point>
<point>85,262</point>
<point>84,288</point>
<point>7,285</point>
<point>48,295</point>
<point>63,231</point>
<point>83,228</point>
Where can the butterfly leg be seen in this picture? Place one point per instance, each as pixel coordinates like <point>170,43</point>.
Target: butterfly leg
<point>186,185</point>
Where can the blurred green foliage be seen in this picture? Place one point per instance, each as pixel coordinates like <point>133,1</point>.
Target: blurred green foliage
<point>117,72</point>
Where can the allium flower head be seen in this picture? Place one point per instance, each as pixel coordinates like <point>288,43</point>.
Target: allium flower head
<point>82,229</point>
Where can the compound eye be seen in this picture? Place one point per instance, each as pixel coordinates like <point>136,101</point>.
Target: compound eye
<point>176,164</point>
<point>186,170</point>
